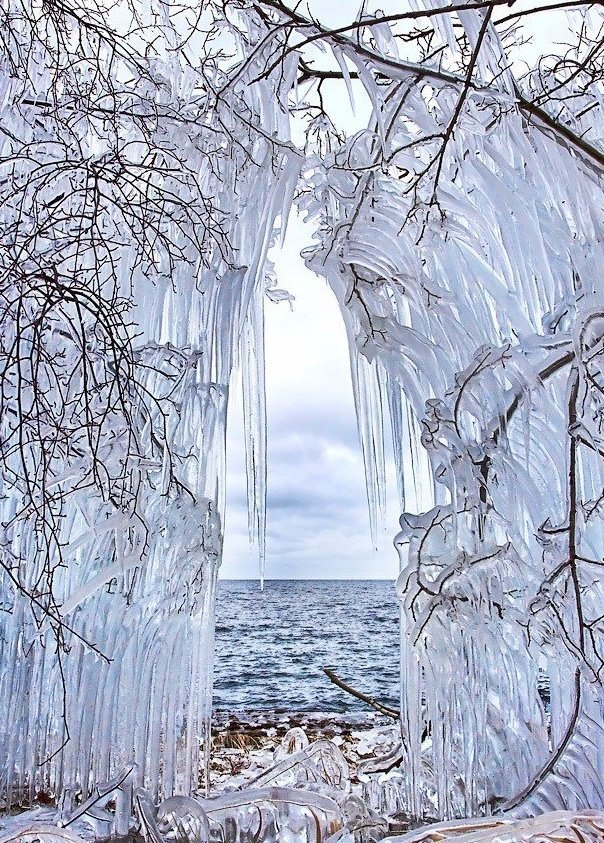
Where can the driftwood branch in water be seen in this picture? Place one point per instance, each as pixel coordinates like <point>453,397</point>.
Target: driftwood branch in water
<point>389,712</point>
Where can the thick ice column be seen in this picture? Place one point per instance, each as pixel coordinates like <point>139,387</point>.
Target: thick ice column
<point>119,346</point>
<point>132,682</point>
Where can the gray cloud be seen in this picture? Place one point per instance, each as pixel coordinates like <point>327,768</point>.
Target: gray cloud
<point>317,519</point>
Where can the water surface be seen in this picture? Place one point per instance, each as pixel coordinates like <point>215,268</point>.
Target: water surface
<point>271,646</point>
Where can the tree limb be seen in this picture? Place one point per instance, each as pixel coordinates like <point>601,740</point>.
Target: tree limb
<point>383,709</point>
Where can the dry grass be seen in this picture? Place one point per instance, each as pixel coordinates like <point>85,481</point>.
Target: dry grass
<point>238,740</point>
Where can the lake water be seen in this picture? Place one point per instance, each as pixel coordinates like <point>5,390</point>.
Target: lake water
<point>271,646</point>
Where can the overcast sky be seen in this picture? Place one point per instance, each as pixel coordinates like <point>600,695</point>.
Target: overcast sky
<point>317,522</point>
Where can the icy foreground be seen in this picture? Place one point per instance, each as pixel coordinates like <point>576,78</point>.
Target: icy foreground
<point>144,178</point>
<point>307,794</point>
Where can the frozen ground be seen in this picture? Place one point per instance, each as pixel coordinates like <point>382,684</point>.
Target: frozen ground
<point>244,744</point>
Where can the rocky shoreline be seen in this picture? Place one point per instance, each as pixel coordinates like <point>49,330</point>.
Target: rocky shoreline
<point>244,743</point>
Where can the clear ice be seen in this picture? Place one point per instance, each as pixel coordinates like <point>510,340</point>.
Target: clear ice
<point>133,264</point>
<point>143,180</point>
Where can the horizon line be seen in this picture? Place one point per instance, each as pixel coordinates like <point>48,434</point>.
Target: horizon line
<point>308,579</point>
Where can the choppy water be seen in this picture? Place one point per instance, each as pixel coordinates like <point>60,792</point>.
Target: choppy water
<point>271,646</point>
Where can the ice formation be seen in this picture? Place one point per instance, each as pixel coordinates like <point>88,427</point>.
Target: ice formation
<point>301,800</point>
<point>144,177</point>
<point>468,273</point>
<point>133,266</point>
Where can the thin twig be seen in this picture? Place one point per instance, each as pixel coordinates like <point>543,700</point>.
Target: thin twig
<point>389,712</point>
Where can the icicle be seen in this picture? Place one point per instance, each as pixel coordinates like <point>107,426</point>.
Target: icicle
<point>254,414</point>
<point>367,389</point>
<point>395,406</point>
